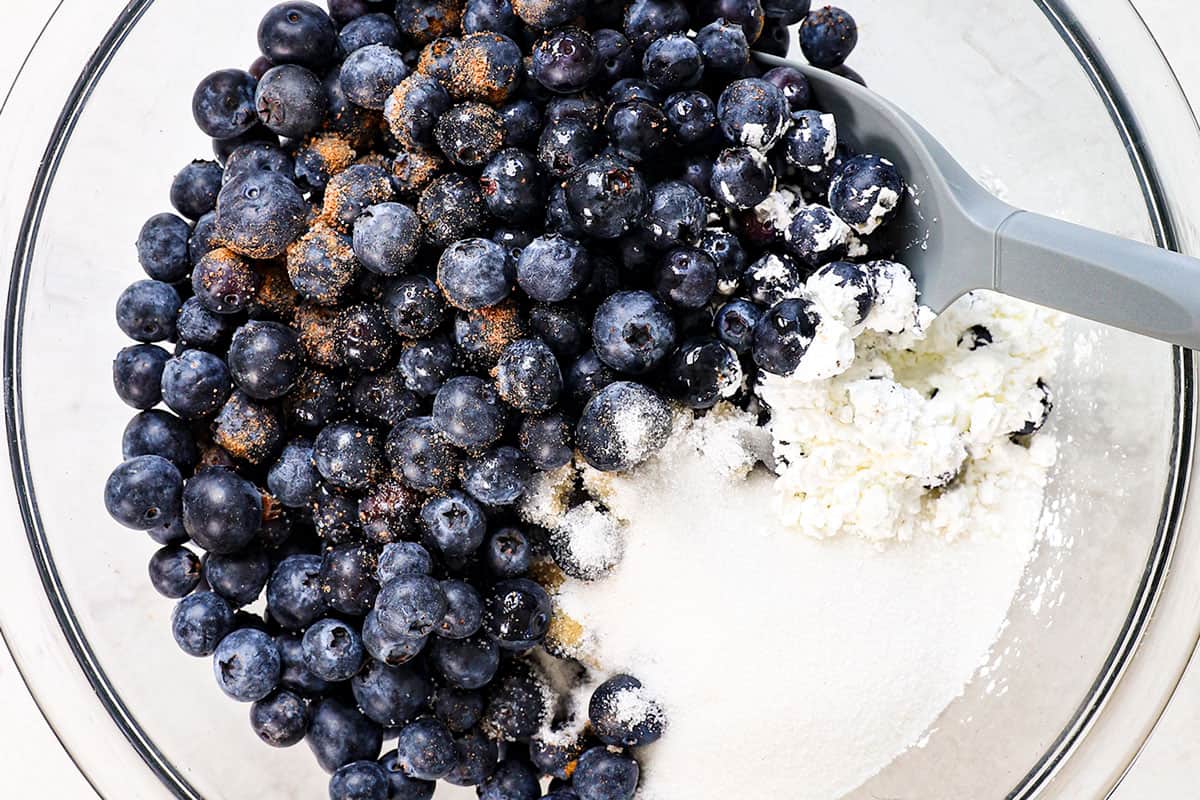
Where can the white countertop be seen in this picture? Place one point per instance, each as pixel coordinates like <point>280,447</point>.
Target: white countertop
<point>33,763</point>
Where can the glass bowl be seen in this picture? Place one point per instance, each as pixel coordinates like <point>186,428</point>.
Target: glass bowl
<point>1066,107</point>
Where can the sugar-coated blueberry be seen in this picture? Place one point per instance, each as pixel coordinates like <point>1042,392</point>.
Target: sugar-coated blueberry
<point>348,578</point>
<point>413,108</point>
<point>528,376</point>
<point>811,143</point>
<point>817,236</point>
<point>548,14</point>
<point>866,192</point>
<point>259,214</point>
<point>614,724</point>
<point>622,425</point>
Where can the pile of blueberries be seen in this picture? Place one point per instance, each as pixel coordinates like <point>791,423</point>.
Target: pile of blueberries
<point>443,245</point>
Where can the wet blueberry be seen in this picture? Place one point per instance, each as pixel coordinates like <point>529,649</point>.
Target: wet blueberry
<point>702,372</point>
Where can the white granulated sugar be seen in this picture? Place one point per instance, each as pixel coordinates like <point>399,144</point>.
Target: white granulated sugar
<point>796,653</point>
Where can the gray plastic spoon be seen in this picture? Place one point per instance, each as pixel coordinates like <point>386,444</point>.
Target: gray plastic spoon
<point>959,237</point>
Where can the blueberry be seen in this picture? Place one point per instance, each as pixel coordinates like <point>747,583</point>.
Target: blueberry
<point>508,553</point>
<point>723,46</point>
<point>459,709</point>
<point>413,109</point>
<point>162,247</point>
<point>567,144</point>
<point>606,197</point>
<point>637,129</point>
<point>528,376</point>
<point>697,173</point>
<point>147,309</point>
<point>402,787</point>
<point>410,606</point>
<point>265,359</point>
<point>382,397</point>
<point>454,523</point>
<point>197,327</point>
<point>169,532</point>
<point>469,134</point>
<point>857,279</point>
<point>223,103</point>
<point>224,282</point>
<point>281,719</point>
<point>260,214</point>
<point>517,702</point>
<point>387,647</point>
<point>490,15</point>
<point>238,577</point>
<point>633,332</point>
<point>565,60</point>
<point>158,433</point>
<point>464,611</point>
<point>647,20</point>
<point>350,192</point>
<point>735,323</point>
<point>687,277</point>
<point>788,12</point>
<point>425,364</point>
<point>223,148</point>
<point>675,213</point>
<point>316,399</point>
<point>476,756</point>
<point>816,236</point>
<point>221,510</point>
<point>793,84</point>
<point>403,558</point>
<point>772,278</point>
<point>291,101</point>
<point>622,425</point>
<point>387,511</point>
<point>246,665</point>
<point>512,779</point>
<point>742,177</point>
<point>776,39</point>
<point>627,89</point>
<point>557,754</point>
<point>200,621</point>
<point>546,440</point>
<point>692,117</point>
<point>370,73</point>
<point>294,597</point>
<point>322,266</point>
<point>413,306</point>
<point>604,775</point>
<point>486,67</point>
<point>339,734</point>
<point>451,208</point>
<point>753,113</point>
<point>294,676</point>
<point>137,375</point>
<point>702,372</point>
<point>367,30</point>
<point>547,14</point>
<point>361,780</point>
<point>499,477</point>
<point>1035,424</point>
<point>143,492</point>
<point>811,143</point>
<point>973,338</point>
<point>468,412</point>
<point>333,650</point>
<point>248,430</point>
<point>469,663</point>
<point>517,613</point>
<point>436,57</point>
<point>425,20</point>
<point>201,241</point>
<point>827,37</point>
<point>728,255</point>
<point>348,455</point>
<point>747,13</point>
<point>783,336</point>
<point>194,189</point>
<point>425,749</point>
<point>522,122</point>
<point>614,53</point>
<point>672,62</point>
<point>512,186</point>
<point>174,571</point>
<point>563,328</point>
<point>866,192</point>
<point>334,515</point>
<point>298,33</point>
<point>348,578</point>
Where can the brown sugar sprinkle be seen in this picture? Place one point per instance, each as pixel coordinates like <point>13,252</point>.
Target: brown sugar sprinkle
<point>272,508</point>
<point>490,330</point>
<point>414,169</point>
<point>334,252</point>
<point>318,329</point>
<point>275,295</point>
<point>212,455</point>
<point>334,150</point>
<point>374,160</point>
<point>436,55</point>
<point>247,430</point>
<point>546,572</point>
<point>564,633</point>
<point>339,197</point>
<point>474,75</point>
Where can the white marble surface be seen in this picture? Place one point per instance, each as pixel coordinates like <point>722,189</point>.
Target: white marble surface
<point>34,764</point>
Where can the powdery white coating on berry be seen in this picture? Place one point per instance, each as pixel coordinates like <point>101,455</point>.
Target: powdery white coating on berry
<point>831,141</point>
<point>779,208</point>
<point>831,351</point>
<point>772,270</point>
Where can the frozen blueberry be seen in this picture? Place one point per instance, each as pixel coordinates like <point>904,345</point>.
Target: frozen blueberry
<point>333,650</point>
<point>512,186</point>
<point>260,214</point>
<point>793,84</point>
<point>403,558</point>
<point>246,665</point>
<point>410,605</point>
<point>200,621</point>
<point>294,597</point>
<point>742,177</point>
<point>162,248</point>
<point>548,14</point>
<point>386,647</point>
<point>622,425</point>
<point>637,129</point>
<point>281,719</point>
<point>753,113</point>
<point>221,510</point>
<point>223,103</point>
<point>425,364</point>
<point>604,775</point>
<point>546,440</point>
<point>827,37</point>
<point>469,663</point>
<point>361,780</point>
<point>238,577</point>
<point>647,20</point>
<point>137,374</point>
<point>866,192</point>
<point>174,571</point>
<point>735,323</point>
<point>369,29</point>
<point>454,523</point>
<point>723,46</point>
<point>606,197</point>
<point>339,734</point>
<point>143,492</point>
<point>468,411</point>
<point>414,306</point>
<point>159,433</point>
<point>811,143</point>
<point>783,335</point>
<point>672,62</point>
<point>633,332</point>
<point>816,236</point>
<point>614,724</point>
<point>687,277</point>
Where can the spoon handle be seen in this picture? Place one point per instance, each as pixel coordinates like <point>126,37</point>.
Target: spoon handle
<point>1101,277</point>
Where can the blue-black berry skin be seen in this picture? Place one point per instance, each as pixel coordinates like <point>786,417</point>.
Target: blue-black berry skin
<point>747,13</point>
<point>604,775</point>
<point>159,433</point>
<point>333,650</point>
<point>702,372</point>
<point>292,479</point>
<point>741,177</point>
<point>499,477</point>
<point>198,328</point>
<point>390,695</point>
<point>692,116</point>
<point>469,412</point>
<point>402,787</point>
<point>414,306</point>
<point>528,376</point>
<point>382,397</point>
<point>162,247</point>
<point>403,558</point>
<point>174,571</point>
<point>633,332</point>
<point>487,67</point>
<point>413,109</point>
<point>425,749</point>
<point>517,614</point>
<point>476,755</point>
<point>421,455</point>
<point>248,430</point>
<point>606,197</point>
<point>512,186</point>
<point>362,780</point>
<point>512,779</point>
<point>687,277</point>
<point>454,523</point>
<point>811,142</point>
<point>828,36</point>
<point>637,130</point>
<point>464,610</point>
<point>793,84</point>
<point>522,122</point>
<point>565,60</point>
<point>339,734</point>
<point>600,438</point>
<point>386,647</point>
<point>137,375</point>
<point>567,143</point>
<point>352,191</point>
<point>723,46</point>
<point>562,327</point>
<point>194,189</point>
<point>675,214</point>
<point>607,723</point>
<point>673,62</point>
<point>294,597</point>
<point>260,214</point>
<point>281,719</point>
<point>298,32</point>
<point>238,577</point>
<point>370,73</point>
<point>548,14</point>
<point>816,236</point>
<point>143,492</point>
<point>246,665</point>
<point>147,309</point>
<point>265,359</point>
<point>509,553</point>
<point>783,336</point>
<point>348,578</point>
<point>200,621</point>
<point>221,510</point>
<point>410,606</point>
<point>223,103</point>
<point>348,455</point>
<point>788,12</point>
<point>615,54</point>
<point>490,15</point>
<point>546,440</point>
<point>469,663</point>
<point>866,192</point>
<point>735,322</point>
<point>291,101</point>
<point>459,709</point>
<point>647,20</point>
<point>294,676</point>
<point>451,208</point>
<point>753,113</point>
<point>369,29</point>
<point>469,134</point>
